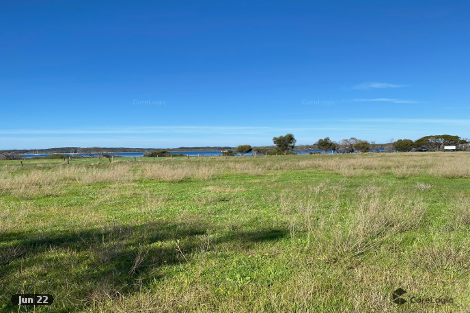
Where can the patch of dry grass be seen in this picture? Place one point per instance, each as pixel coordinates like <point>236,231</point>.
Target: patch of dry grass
<point>373,220</point>
<point>171,172</point>
<point>460,213</point>
<point>442,256</point>
<point>223,189</point>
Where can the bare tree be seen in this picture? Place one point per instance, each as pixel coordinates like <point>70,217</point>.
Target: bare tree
<point>10,156</point>
<point>464,142</point>
<point>340,146</point>
<point>374,147</point>
<point>389,146</point>
<point>347,145</point>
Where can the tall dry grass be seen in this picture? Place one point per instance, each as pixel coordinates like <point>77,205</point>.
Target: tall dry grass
<point>371,224</point>
<point>401,165</point>
<point>48,180</point>
<point>171,172</point>
<point>342,230</point>
<point>43,181</point>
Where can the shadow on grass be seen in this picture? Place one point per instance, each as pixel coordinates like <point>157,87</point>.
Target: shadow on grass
<point>106,262</point>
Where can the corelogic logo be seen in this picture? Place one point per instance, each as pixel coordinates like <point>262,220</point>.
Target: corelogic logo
<point>396,296</point>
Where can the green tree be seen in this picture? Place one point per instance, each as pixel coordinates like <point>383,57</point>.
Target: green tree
<point>325,144</point>
<point>449,140</point>
<point>436,142</point>
<point>285,143</point>
<point>242,149</point>
<point>403,145</point>
<point>362,146</point>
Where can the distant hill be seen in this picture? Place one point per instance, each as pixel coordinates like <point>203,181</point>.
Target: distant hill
<point>121,149</point>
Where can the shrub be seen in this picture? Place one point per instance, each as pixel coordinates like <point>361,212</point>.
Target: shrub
<point>228,153</point>
<point>262,150</point>
<point>158,154</point>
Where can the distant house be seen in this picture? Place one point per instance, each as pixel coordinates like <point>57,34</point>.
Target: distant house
<point>452,148</point>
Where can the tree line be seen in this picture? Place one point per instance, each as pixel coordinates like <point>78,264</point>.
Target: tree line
<point>286,144</point>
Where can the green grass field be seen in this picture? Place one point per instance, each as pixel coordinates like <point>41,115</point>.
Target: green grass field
<point>322,233</point>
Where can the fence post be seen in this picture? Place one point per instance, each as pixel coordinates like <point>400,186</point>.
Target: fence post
<point>188,156</point>
<point>21,163</point>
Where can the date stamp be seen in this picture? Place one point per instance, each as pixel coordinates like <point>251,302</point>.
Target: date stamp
<point>32,299</point>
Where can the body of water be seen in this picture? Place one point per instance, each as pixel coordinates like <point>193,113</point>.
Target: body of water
<point>190,153</point>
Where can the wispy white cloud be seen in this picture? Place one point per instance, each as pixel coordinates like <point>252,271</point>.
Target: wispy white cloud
<point>456,108</point>
<point>185,131</point>
<point>385,100</point>
<point>142,130</point>
<point>414,121</point>
<point>376,86</point>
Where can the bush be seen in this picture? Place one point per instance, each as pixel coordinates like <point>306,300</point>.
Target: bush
<point>262,150</point>
<point>158,154</point>
<point>228,153</point>
<point>56,156</point>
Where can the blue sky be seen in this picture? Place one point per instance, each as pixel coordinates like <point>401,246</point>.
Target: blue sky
<point>205,73</point>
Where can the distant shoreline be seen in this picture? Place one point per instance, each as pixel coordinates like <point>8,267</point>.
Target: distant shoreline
<point>111,150</point>
<point>68,150</point>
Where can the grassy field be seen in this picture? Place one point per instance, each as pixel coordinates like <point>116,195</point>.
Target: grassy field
<point>312,233</point>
